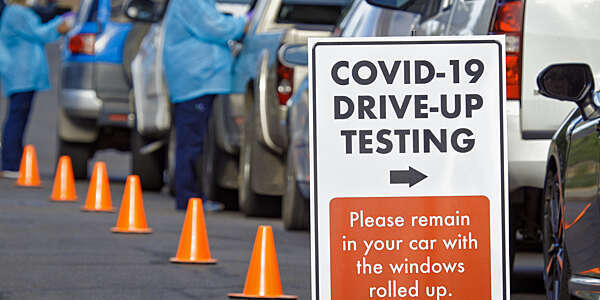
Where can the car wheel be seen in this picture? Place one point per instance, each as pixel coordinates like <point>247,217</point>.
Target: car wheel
<point>295,210</point>
<point>556,262</point>
<point>251,203</point>
<point>79,154</point>
<point>148,160</point>
<point>212,156</point>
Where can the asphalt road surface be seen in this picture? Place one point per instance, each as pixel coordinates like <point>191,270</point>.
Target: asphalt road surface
<point>54,251</point>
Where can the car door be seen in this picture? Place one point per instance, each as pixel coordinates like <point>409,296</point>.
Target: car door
<point>581,213</point>
<point>152,105</point>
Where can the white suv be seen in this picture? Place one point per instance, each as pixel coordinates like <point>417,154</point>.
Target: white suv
<point>538,33</point>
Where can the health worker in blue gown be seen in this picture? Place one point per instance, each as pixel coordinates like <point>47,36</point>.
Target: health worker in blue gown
<point>198,66</point>
<point>24,71</point>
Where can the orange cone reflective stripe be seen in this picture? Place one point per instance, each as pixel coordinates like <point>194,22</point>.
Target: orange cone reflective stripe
<point>193,243</point>
<point>64,181</point>
<point>132,218</point>
<point>29,175</point>
<point>98,197</point>
<point>262,281</point>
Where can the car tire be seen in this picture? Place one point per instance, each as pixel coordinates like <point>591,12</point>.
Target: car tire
<point>250,202</point>
<point>556,274</point>
<point>295,209</point>
<point>149,166</point>
<point>79,153</point>
<point>212,160</point>
<point>513,220</point>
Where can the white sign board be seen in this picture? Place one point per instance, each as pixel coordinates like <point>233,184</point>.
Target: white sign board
<point>408,162</point>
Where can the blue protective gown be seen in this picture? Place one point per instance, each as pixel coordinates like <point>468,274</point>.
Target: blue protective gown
<point>197,60</point>
<point>24,36</point>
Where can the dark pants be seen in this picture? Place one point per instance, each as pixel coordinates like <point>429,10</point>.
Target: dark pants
<point>14,129</point>
<point>191,122</point>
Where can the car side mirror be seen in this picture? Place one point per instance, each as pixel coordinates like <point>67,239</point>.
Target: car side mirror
<point>292,55</point>
<point>392,4</point>
<point>145,10</point>
<point>569,82</point>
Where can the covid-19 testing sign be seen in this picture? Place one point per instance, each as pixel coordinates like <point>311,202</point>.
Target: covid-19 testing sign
<point>408,163</point>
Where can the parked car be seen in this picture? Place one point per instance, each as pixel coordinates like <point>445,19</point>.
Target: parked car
<point>234,128</point>
<point>571,209</point>
<point>363,19</point>
<point>538,33</point>
<point>95,110</point>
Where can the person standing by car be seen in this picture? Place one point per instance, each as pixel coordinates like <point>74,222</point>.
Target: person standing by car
<point>198,66</point>
<point>24,36</point>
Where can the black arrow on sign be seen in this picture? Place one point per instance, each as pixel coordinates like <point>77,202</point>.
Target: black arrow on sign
<point>411,176</point>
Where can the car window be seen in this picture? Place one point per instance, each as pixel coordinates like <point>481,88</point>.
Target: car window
<point>344,17</point>
<point>432,9</point>
<point>236,1</point>
<point>116,12</point>
<point>297,13</point>
<point>92,12</point>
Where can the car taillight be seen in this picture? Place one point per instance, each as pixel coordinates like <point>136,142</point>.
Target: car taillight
<point>82,43</point>
<point>285,81</point>
<point>509,20</point>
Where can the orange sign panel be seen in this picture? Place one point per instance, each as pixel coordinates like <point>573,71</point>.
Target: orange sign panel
<point>410,248</point>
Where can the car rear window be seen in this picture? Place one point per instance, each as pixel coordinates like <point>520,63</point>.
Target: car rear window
<point>116,12</point>
<point>296,13</point>
<point>91,17</point>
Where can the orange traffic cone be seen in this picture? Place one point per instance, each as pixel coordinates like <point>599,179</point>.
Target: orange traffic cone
<point>262,281</point>
<point>132,218</point>
<point>29,175</point>
<point>98,197</point>
<point>193,243</point>
<point>64,182</point>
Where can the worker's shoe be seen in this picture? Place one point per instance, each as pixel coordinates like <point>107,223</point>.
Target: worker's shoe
<point>212,206</point>
<point>9,174</point>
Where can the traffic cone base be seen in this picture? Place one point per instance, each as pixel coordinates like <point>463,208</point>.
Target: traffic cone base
<point>210,261</point>
<point>106,210</point>
<point>64,200</point>
<point>131,230</point>
<point>244,296</point>
<point>29,186</point>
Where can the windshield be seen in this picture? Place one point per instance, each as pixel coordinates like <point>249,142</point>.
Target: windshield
<point>395,4</point>
<point>309,14</point>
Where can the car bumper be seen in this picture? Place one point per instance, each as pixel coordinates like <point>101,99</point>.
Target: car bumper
<point>526,158</point>
<point>85,104</point>
<point>81,103</point>
<point>584,287</point>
